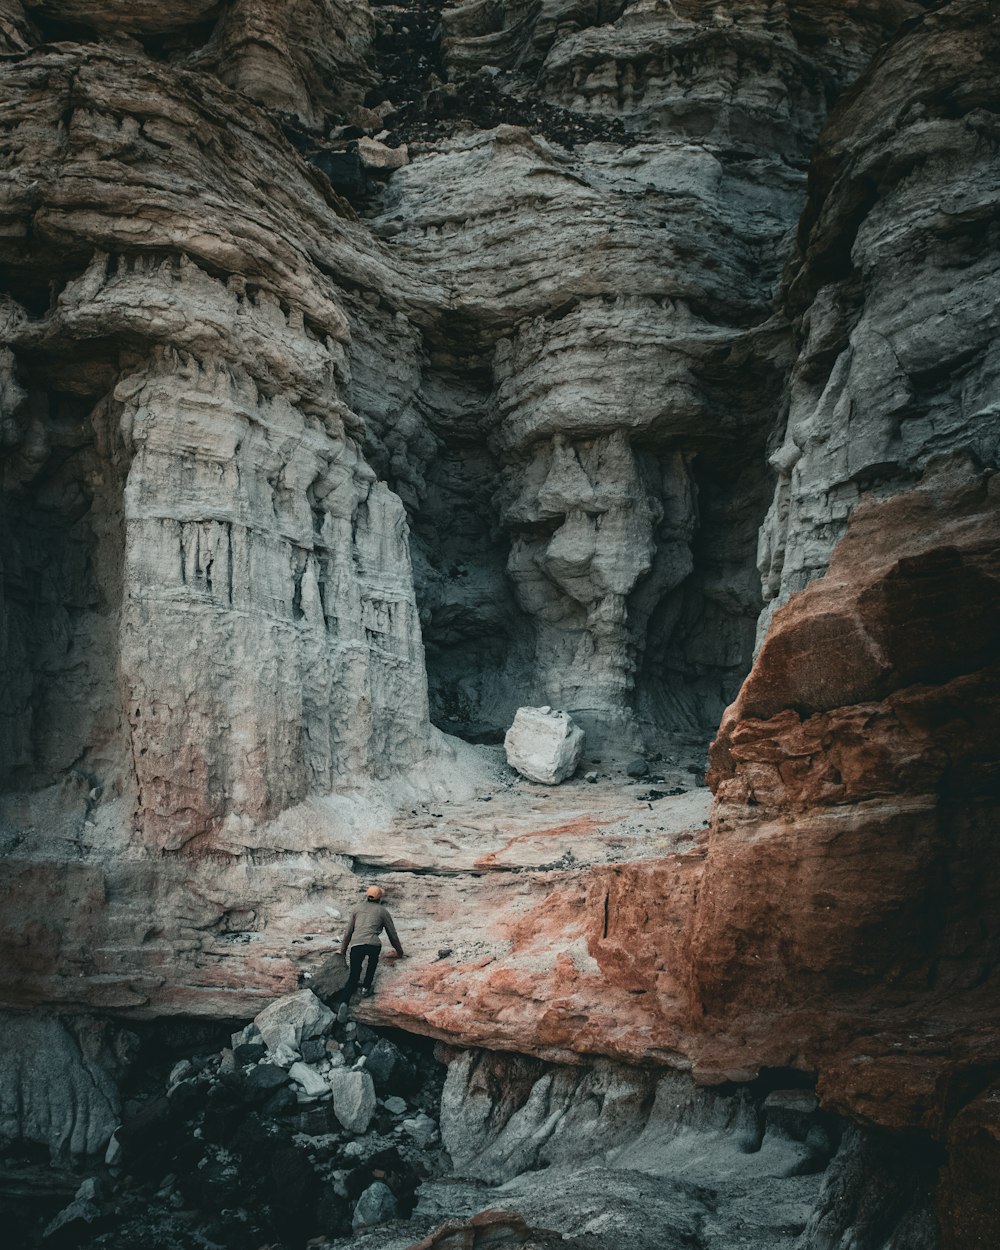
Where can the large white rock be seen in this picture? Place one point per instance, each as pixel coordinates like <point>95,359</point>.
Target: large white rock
<point>543,745</point>
<point>289,1020</point>
<point>353,1098</point>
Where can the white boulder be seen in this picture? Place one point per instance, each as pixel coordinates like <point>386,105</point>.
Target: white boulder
<point>289,1020</point>
<point>543,745</point>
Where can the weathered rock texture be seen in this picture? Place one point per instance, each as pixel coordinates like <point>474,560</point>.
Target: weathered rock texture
<point>543,745</point>
<point>575,1149</point>
<point>209,603</point>
<point>867,784</point>
<point>898,355</point>
<point>286,477</point>
<point>862,790</point>
<point>57,1084</point>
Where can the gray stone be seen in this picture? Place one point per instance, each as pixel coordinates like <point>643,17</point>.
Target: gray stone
<point>376,1205</point>
<point>379,156</point>
<point>354,1100</point>
<point>421,1129</point>
<point>81,1212</point>
<point>395,1106</point>
<point>543,746</point>
<point>113,1154</point>
<point>265,1077</point>
<point>310,1080</point>
<point>284,1056</point>
<point>313,1050</point>
<point>637,768</point>
<point>390,1069</point>
<point>247,1036</point>
<point>179,1072</point>
<point>290,1020</point>
<point>56,1086</point>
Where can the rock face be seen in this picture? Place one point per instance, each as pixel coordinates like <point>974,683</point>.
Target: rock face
<point>897,357</point>
<point>57,1085</point>
<point>543,745</point>
<point>867,794</point>
<point>239,586</point>
<point>651,335</point>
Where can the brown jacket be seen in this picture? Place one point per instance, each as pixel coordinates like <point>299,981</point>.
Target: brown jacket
<point>367,922</point>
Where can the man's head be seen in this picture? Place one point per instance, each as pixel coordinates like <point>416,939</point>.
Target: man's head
<point>374,892</point>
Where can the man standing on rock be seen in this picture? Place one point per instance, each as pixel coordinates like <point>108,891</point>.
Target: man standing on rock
<point>365,926</point>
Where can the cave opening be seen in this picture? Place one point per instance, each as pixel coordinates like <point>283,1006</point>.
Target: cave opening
<point>62,544</point>
<point>163,36</point>
<point>699,642</point>
<point>500,623</point>
<point>477,642</point>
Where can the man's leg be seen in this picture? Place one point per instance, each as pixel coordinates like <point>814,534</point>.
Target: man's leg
<point>355,955</point>
<point>373,953</point>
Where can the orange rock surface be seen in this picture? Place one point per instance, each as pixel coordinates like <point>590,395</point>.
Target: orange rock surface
<point>841,915</point>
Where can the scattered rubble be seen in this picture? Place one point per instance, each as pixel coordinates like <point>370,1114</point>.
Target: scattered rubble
<point>240,1147</point>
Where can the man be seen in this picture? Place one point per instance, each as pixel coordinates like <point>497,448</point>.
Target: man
<point>366,924</point>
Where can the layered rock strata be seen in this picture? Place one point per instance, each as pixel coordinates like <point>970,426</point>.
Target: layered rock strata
<point>897,360</point>
<point>260,454</point>
<point>192,519</point>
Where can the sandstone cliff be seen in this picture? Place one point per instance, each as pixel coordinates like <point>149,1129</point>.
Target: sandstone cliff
<point>370,371</point>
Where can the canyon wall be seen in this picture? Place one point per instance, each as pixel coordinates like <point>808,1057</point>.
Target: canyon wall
<point>371,371</point>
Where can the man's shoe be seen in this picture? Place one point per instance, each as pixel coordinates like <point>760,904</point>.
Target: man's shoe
<point>343,1011</point>
<point>367,992</point>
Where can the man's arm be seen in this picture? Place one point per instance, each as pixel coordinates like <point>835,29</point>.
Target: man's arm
<point>390,932</point>
<point>346,941</point>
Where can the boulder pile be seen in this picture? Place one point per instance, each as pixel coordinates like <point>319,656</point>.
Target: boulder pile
<point>301,1127</point>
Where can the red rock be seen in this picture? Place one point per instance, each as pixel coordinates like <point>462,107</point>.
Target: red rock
<point>863,793</point>
<point>968,1210</point>
<point>492,1228</point>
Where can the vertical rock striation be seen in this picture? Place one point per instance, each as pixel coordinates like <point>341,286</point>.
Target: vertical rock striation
<point>258,631</point>
<point>898,360</point>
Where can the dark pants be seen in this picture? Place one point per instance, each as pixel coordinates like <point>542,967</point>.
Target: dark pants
<point>357,955</point>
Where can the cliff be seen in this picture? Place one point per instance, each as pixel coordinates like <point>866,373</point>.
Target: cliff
<point>369,371</point>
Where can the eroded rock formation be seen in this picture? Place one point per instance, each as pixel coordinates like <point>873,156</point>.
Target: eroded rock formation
<point>558,409</point>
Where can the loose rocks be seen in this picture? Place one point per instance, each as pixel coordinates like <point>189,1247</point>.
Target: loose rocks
<point>379,156</point>
<point>310,1080</point>
<point>265,1078</point>
<point>421,1128</point>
